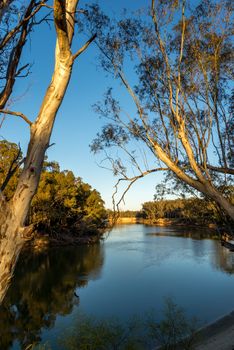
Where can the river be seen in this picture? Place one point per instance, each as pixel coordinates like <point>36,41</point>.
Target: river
<point>130,273</point>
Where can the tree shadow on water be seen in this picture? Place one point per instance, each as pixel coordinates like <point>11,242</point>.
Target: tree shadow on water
<point>44,286</point>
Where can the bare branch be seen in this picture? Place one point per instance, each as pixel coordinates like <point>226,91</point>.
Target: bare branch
<point>131,181</point>
<point>17,114</point>
<point>84,47</point>
<point>15,55</point>
<point>47,6</point>
<point>225,170</point>
<point>27,17</point>
<point>21,69</point>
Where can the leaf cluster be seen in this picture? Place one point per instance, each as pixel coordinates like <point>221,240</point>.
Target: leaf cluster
<point>63,202</point>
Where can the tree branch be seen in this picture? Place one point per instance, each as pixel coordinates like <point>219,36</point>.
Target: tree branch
<point>131,181</point>
<point>221,169</point>
<point>84,47</point>
<point>27,17</point>
<point>15,56</point>
<point>17,114</point>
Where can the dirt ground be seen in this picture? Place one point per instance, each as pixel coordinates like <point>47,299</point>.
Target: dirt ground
<point>218,335</point>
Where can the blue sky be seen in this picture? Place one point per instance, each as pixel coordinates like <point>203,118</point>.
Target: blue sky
<point>76,124</point>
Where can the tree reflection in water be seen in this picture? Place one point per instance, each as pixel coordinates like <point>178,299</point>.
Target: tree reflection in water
<point>45,284</point>
<point>43,287</point>
<point>222,258</point>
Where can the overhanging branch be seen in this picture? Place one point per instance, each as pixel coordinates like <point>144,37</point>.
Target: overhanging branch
<point>131,181</point>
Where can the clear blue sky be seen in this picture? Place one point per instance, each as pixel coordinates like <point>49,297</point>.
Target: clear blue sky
<point>76,124</point>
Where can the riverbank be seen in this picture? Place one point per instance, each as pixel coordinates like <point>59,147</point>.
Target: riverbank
<point>164,222</point>
<point>218,335</point>
<point>44,241</point>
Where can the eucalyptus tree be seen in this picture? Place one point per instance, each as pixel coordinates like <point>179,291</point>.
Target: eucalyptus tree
<point>175,62</point>
<point>13,231</point>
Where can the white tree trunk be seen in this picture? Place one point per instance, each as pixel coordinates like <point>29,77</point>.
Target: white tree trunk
<point>13,232</point>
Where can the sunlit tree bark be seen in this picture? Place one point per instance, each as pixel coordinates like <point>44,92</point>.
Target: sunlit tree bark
<point>13,214</point>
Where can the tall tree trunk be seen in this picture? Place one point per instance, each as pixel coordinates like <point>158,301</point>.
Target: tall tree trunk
<point>11,243</point>
<point>13,232</point>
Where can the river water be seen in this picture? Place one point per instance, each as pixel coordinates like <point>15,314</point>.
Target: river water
<point>130,273</point>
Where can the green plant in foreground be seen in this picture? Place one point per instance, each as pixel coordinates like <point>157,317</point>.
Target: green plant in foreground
<point>175,331</point>
<point>91,334</point>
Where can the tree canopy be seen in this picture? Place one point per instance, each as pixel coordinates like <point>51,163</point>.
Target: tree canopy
<point>63,203</point>
<point>175,62</point>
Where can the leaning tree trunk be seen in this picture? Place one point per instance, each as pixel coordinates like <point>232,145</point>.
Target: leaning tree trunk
<point>13,214</point>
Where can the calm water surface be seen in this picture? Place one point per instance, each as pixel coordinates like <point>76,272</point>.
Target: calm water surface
<point>130,273</point>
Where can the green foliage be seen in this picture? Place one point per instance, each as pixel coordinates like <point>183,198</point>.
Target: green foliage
<point>63,202</point>
<point>124,213</point>
<point>175,331</point>
<point>46,284</point>
<point>192,210</point>
<point>91,334</point>
<point>10,158</point>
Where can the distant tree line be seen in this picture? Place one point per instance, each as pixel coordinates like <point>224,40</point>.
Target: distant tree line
<point>192,210</point>
<point>128,214</point>
<point>63,203</point>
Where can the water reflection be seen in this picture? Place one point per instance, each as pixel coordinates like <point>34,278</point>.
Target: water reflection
<point>224,259</point>
<point>180,231</point>
<point>143,264</point>
<point>46,285</point>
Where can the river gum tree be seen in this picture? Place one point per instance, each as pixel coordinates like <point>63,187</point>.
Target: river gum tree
<point>175,62</point>
<point>13,213</point>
